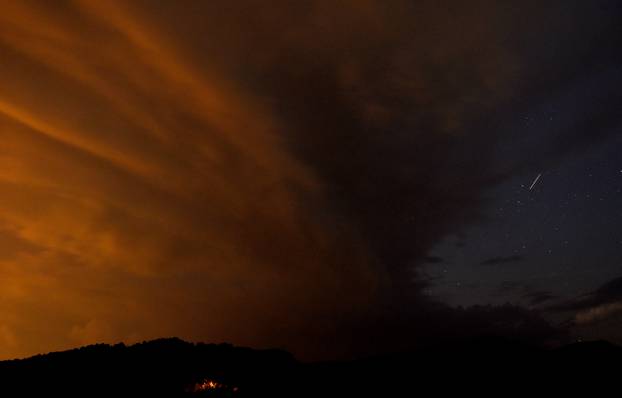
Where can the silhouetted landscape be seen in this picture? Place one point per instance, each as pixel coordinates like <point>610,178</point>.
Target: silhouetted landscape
<point>175,368</point>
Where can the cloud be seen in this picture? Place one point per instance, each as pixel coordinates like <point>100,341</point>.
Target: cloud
<point>434,259</point>
<point>610,291</point>
<point>597,313</point>
<point>267,175</point>
<point>525,292</point>
<point>596,304</point>
<point>502,260</point>
<point>513,287</point>
<point>539,297</point>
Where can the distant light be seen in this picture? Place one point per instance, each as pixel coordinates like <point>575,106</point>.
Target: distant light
<point>209,385</point>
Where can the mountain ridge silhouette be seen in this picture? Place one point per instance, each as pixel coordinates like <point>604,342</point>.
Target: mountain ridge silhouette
<point>171,367</point>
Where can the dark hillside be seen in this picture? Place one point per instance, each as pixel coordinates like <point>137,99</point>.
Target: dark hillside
<point>173,368</point>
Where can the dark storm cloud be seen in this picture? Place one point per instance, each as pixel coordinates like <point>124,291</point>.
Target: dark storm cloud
<point>400,109</point>
<point>270,174</point>
<point>402,124</point>
<point>503,260</point>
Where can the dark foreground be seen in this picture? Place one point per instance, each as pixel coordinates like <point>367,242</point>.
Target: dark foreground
<point>174,368</point>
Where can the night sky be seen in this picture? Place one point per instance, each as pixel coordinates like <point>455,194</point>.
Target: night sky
<point>336,178</point>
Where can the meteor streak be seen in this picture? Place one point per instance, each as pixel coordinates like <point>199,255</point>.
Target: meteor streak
<point>535,181</point>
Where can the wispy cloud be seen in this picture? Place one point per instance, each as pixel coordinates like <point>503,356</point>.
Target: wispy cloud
<point>502,260</point>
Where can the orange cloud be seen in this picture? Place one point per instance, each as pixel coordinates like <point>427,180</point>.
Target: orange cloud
<point>152,196</point>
